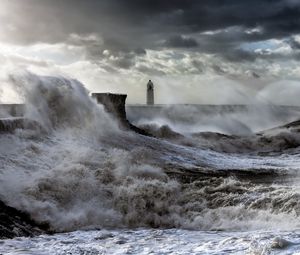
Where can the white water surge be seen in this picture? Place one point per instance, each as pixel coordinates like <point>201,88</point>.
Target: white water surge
<point>78,171</point>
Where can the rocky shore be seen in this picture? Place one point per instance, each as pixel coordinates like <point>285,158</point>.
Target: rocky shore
<point>14,223</point>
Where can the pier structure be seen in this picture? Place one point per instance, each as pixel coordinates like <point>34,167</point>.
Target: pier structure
<point>114,104</point>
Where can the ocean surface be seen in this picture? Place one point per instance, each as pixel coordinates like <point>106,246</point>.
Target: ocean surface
<point>205,182</point>
<point>156,241</point>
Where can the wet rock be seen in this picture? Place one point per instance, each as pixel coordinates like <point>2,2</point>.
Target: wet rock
<point>14,223</point>
<point>280,243</point>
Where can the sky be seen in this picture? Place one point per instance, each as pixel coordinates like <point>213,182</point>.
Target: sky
<point>208,51</point>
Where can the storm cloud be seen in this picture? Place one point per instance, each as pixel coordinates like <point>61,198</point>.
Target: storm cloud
<point>230,38</point>
<point>133,24</point>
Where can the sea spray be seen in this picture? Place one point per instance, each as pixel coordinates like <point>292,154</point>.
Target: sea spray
<point>226,119</point>
<point>58,102</point>
<point>86,173</point>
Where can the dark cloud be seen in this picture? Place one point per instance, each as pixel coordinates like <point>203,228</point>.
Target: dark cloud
<point>238,55</point>
<point>294,43</point>
<point>133,25</point>
<point>178,41</point>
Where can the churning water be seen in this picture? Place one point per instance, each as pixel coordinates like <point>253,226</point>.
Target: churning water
<point>108,191</point>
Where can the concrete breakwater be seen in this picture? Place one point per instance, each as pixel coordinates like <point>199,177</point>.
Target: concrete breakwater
<point>11,115</point>
<point>241,120</point>
<point>11,110</point>
<point>12,123</point>
<point>173,111</point>
<point>115,105</point>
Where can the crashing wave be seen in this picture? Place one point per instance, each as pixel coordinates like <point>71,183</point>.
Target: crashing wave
<point>85,172</point>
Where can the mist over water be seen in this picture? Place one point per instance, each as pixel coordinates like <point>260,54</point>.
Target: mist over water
<point>227,119</point>
<point>77,170</point>
<point>218,104</point>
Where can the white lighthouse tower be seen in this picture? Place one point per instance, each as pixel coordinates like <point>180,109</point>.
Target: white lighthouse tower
<point>150,93</point>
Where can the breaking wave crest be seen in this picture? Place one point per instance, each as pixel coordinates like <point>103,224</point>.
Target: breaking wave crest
<point>59,102</point>
<point>74,177</point>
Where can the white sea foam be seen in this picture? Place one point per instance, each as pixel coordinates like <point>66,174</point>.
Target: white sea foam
<point>150,241</point>
<point>84,172</point>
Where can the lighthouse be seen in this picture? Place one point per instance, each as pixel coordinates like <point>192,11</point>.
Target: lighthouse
<point>150,93</point>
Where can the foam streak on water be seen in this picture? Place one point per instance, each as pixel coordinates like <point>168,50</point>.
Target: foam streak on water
<point>143,241</point>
